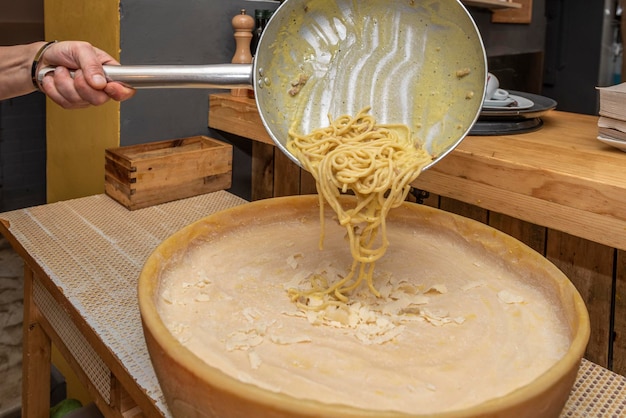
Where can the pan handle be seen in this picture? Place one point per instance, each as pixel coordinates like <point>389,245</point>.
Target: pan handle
<point>218,76</point>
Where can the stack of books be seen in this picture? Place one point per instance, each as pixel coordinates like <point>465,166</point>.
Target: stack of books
<point>612,121</point>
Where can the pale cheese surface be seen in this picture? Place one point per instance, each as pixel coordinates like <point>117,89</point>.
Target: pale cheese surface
<point>456,326</point>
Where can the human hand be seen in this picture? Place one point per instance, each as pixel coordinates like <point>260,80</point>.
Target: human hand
<point>88,85</point>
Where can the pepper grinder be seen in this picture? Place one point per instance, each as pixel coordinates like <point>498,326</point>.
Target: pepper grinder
<point>243,26</point>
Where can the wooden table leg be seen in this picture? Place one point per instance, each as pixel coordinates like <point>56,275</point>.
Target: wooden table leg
<point>36,357</point>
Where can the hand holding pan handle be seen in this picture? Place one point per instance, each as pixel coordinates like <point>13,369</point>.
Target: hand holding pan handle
<point>218,76</point>
<point>417,63</point>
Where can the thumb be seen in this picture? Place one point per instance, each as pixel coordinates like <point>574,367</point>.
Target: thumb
<point>94,74</point>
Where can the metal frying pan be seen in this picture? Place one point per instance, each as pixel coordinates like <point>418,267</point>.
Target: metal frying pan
<point>416,62</point>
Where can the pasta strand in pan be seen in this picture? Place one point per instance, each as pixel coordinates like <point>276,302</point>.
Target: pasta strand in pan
<point>376,163</point>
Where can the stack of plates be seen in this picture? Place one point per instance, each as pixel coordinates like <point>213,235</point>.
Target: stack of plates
<point>614,142</point>
<point>519,113</point>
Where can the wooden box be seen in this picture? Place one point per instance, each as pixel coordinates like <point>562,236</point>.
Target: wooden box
<point>139,176</point>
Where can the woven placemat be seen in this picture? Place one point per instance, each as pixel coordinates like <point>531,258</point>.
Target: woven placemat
<point>93,250</point>
<point>597,393</point>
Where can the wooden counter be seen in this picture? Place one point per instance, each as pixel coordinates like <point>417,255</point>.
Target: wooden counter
<point>559,177</point>
<point>559,190</point>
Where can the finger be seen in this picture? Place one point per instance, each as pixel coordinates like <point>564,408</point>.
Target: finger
<point>90,60</point>
<point>66,84</point>
<point>86,92</point>
<point>48,86</point>
<point>63,89</point>
<point>86,61</point>
<point>119,92</point>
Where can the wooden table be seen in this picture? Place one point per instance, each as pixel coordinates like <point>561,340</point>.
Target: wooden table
<point>558,189</point>
<point>82,261</point>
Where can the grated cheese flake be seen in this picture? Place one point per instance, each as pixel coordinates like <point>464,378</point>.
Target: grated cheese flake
<point>254,359</point>
<point>510,298</point>
<point>437,288</point>
<point>202,297</point>
<point>243,340</point>
<point>289,339</point>
<point>292,260</point>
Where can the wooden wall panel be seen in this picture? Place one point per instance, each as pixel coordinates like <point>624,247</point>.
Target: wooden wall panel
<point>433,200</point>
<point>286,175</point>
<point>307,183</point>
<point>530,234</point>
<point>590,267</point>
<point>262,170</point>
<point>464,209</point>
<point>619,329</point>
<point>425,198</point>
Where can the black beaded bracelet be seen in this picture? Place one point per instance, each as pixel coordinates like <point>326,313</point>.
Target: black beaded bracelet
<point>33,70</point>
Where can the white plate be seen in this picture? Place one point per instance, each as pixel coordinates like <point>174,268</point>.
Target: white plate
<point>497,103</point>
<point>621,145</point>
<point>521,103</point>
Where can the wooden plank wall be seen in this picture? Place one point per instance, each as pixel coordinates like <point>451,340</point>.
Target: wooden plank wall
<point>597,271</point>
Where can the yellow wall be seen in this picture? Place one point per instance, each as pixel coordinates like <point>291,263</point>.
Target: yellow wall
<point>76,139</point>
<point>75,390</point>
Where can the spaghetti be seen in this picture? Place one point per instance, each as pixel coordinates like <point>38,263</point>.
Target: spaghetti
<point>374,162</point>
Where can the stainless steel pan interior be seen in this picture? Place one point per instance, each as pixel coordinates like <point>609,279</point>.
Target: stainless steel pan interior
<point>416,62</point>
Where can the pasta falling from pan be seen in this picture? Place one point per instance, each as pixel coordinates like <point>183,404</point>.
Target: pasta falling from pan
<point>376,163</point>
